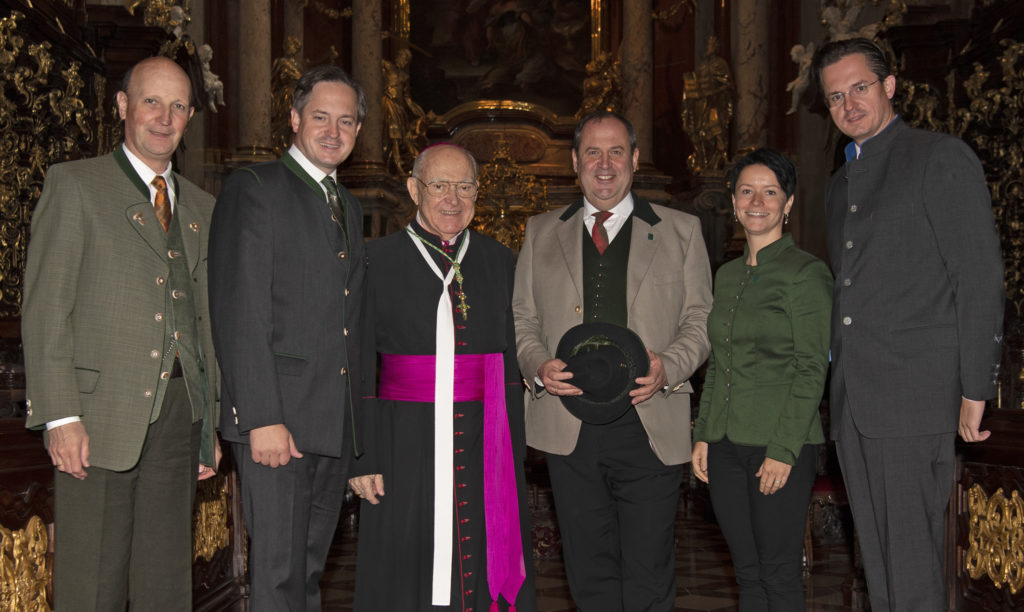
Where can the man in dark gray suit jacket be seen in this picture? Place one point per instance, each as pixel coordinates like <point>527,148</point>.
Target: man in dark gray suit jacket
<point>286,271</point>
<point>916,322</point>
<point>118,355</point>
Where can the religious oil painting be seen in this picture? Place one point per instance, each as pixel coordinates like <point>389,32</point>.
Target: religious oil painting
<point>532,51</point>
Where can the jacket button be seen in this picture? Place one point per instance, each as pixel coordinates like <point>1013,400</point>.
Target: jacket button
<point>345,331</point>
<point>160,281</point>
<point>177,335</point>
<point>193,226</point>
<point>158,316</point>
<point>849,244</point>
<point>853,208</point>
<point>155,354</point>
<point>342,255</point>
<point>847,320</point>
<point>578,309</point>
<point>344,371</point>
<point>346,292</point>
<point>847,282</point>
<point>165,375</point>
<point>171,254</point>
<point>147,393</point>
<point>176,294</point>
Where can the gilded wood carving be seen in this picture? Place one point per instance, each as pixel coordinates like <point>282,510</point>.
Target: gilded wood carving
<point>996,538</point>
<point>45,117</point>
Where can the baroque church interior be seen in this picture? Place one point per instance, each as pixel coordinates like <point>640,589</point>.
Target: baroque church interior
<point>703,82</point>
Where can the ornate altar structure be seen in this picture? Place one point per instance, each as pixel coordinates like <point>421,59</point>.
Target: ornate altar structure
<point>508,81</point>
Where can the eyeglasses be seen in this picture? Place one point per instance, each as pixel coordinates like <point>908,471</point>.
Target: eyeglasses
<point>439,189</point>
<point>857,91</point>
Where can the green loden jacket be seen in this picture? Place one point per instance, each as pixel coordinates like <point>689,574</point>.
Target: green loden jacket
<point>769,332</point>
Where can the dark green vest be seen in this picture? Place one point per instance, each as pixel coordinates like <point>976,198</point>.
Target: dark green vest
<point>180,334</point>
<point>604,278</point>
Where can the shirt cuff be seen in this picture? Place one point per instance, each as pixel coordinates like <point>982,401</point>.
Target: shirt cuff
<point>64,421</point>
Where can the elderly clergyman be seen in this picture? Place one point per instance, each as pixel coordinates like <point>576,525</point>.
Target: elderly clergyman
<point>444,521</point>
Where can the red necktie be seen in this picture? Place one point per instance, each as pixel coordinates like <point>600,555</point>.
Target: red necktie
<point>599,234</point>
<point>162,202</point>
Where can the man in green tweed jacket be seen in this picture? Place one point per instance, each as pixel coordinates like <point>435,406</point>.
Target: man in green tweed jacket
<point>118,355</point>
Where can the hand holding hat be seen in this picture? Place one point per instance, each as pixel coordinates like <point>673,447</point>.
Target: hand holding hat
<point>605,361</point>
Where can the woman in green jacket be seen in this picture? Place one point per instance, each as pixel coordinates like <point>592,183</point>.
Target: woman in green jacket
<point>758,433</point>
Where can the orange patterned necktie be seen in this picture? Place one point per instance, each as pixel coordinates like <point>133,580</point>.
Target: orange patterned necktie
<point>599,233</point>
<point>162,202</point>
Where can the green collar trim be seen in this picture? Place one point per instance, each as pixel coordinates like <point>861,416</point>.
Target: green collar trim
<point>133,176</point>
<point>296,169</point>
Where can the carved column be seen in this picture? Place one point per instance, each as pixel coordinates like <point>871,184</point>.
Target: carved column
<point>366,68</point>
<point>254,81</point>
<point>750,68</point>
<point>294,22</point>
<point>191,160</point>
<point>637,83</point>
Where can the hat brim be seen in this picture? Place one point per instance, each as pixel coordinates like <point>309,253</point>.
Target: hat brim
<point>621,357</point>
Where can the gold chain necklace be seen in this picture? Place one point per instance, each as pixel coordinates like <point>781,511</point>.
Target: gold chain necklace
<point>459,292</point>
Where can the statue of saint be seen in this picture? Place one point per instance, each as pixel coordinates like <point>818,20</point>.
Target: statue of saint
<point>404,118</point>
<point>284,73</point>
<point>707,108</point>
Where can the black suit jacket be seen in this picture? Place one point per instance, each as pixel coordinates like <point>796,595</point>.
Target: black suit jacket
<point>285,300</point>
<point>918,301</point>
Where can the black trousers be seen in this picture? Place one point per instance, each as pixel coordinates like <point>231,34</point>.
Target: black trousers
<point>616,506</point>
<point>128,535</point>
<point>899,491</point>
<point>291,512</point>
<point>764,532</point>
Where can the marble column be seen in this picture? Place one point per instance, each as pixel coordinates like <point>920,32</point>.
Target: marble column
<point>637,80</point>
<point>366,69</point>
<point>254,81</point>
<point>750,73</point>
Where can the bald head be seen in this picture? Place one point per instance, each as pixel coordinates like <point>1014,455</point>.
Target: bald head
<point>155,103</point>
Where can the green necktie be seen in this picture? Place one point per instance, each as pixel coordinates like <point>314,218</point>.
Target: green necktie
<point>335,201</point>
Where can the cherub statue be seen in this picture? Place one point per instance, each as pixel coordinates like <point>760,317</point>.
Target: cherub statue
<point>211,82</point>
<point>803,57</point>
<point>841,26</point>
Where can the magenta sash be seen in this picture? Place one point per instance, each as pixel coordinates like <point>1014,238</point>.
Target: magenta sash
<point>480,377</point>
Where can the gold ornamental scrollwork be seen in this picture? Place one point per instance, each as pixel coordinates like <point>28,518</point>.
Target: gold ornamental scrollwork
<point>210,519</point>
<point>24,572</point>
<point>995,538</point>
<point>44,119</point>
<point>508,197</point>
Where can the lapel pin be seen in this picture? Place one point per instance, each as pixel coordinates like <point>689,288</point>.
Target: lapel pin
<point>194,226</point>
<point>138,218</point>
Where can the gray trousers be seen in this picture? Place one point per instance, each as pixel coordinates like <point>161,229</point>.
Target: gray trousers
<point>899,492</point>
<point>128,535</point>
